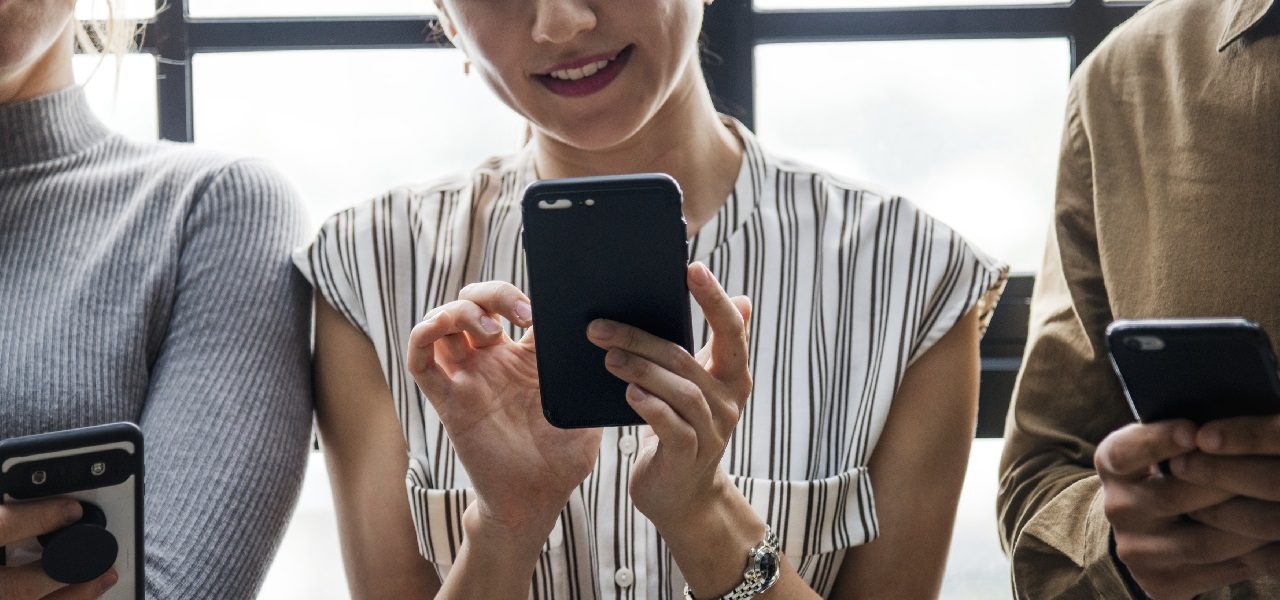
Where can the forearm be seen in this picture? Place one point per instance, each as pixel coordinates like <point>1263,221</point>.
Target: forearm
<point>711,545</point>
<point>496,561</point>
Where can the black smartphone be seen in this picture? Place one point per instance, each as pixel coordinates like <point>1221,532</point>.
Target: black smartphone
<point>101,467</point>
<point>601,247</point>
<point>1197,369</point>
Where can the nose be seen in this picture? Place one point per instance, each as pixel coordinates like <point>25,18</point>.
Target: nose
<point>558,21</point>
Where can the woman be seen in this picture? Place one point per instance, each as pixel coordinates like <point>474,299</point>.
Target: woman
<point>863,352</point>
<point>147,282</point>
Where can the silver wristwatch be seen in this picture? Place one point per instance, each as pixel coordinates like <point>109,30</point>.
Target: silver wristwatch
<point>762,570</point>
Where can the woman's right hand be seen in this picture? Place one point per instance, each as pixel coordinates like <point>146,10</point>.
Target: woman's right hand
<point>26,520</point>
<point>484,386</point>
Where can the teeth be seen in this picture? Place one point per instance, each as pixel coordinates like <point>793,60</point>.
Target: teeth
<point>579,73</point>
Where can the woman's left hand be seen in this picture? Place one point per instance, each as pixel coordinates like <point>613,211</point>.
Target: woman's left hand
<point>691,403</point>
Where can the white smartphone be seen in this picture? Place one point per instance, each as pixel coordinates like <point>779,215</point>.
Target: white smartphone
<point>101,467</point>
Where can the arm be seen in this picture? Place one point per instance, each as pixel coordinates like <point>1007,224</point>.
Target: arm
<point>366,457</point>
<point>1067,400</point>
<point>228,410</point>
<point>917,470</point>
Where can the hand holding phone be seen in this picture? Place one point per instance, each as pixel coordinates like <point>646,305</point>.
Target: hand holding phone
<point>1205,391</point>
<point>72,508</point>
<point>23,523</point>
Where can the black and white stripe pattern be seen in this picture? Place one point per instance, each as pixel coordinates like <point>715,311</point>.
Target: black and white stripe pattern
<point>849,287</point>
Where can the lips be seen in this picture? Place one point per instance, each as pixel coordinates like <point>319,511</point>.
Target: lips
<point>584,77</point>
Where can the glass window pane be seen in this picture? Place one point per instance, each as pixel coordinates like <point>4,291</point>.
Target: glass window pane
<point>348,125</point>
<point>976,566</point>
<point>124,97</point>
<point>857,4</point>
<point>966,129</point>
<point>308,8</point>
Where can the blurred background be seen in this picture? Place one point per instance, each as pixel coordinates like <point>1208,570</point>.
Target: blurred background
<point>958,108</point>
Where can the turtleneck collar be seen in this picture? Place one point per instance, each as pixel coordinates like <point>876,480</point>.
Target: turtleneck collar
<point>47,127</point>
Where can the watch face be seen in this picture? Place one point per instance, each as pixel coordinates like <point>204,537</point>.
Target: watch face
<point>769,564</point>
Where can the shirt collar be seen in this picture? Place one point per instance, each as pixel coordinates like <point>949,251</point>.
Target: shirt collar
<point>1244,15</point>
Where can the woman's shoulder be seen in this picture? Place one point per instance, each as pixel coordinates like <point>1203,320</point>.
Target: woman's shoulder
<point>200,188</point>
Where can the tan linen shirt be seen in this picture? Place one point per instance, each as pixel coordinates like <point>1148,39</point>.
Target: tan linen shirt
<point>1168,205</point>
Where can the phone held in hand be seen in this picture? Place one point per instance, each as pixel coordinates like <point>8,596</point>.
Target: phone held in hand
<point>601,248</point>
<point>1197,369</point>
<point>100,466</point>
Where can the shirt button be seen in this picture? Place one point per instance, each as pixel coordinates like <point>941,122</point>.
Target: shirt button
<point>624,577</point>
<point>627,445</point>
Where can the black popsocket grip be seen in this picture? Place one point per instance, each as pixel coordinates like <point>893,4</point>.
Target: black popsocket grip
<point>81,551</point>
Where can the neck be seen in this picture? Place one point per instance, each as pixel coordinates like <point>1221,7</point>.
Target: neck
<point>684,139</point>
<point>48,73</point>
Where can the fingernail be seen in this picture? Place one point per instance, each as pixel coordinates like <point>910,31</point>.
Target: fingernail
<point>1178,464</point>
<point>602,329</point>
<point>488,325</point>
<point>524,312</point>
<point>431,315</point>
<point>72,511</point>
<point>700,274</point>
<point>636,393</point>
<point>615,358</point>
<point>1210,439</point>
<point>1184,437</point>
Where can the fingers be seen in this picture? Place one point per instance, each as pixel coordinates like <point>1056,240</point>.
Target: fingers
<point>670,356</point>
<point>24,520</point>
<point>454,329</point>
<point>88,590</point>
<point>500,298</point>
<point>1240,436</point>
<point>1252,476</point>
<point>647,378</point>
<point>1130,452</point>
<point>727,318</point>
<point>26,581</point>
<point>1149,505</point>
<point>1183,543</point>
<point>1181,583</point>
<point>1249,517</point>
<point>675,434</point>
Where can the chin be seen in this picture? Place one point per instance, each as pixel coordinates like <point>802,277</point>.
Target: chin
<point>608,130</point>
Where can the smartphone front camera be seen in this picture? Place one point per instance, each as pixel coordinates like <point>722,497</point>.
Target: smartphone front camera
<point>98,468</point>
<point>39,477</point>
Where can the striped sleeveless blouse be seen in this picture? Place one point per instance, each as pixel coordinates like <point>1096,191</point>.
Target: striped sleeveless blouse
<point>849,287</point>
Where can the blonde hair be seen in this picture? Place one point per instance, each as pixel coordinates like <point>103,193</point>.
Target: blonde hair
<point>112,35</point>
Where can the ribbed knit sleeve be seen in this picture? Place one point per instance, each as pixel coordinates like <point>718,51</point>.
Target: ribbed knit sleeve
<point>228,411</point>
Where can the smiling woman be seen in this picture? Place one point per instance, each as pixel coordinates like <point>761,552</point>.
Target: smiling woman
<point>820,415</point>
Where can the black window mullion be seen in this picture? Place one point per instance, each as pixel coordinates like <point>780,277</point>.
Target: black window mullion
<point>173,70</point>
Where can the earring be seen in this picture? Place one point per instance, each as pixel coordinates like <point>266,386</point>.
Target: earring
<point>466,67</point>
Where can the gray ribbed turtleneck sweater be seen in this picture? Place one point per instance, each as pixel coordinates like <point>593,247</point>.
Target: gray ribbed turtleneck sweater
<point>150,282</point>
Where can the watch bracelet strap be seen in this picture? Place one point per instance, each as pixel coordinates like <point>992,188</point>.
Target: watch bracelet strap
<point>753,582</point>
